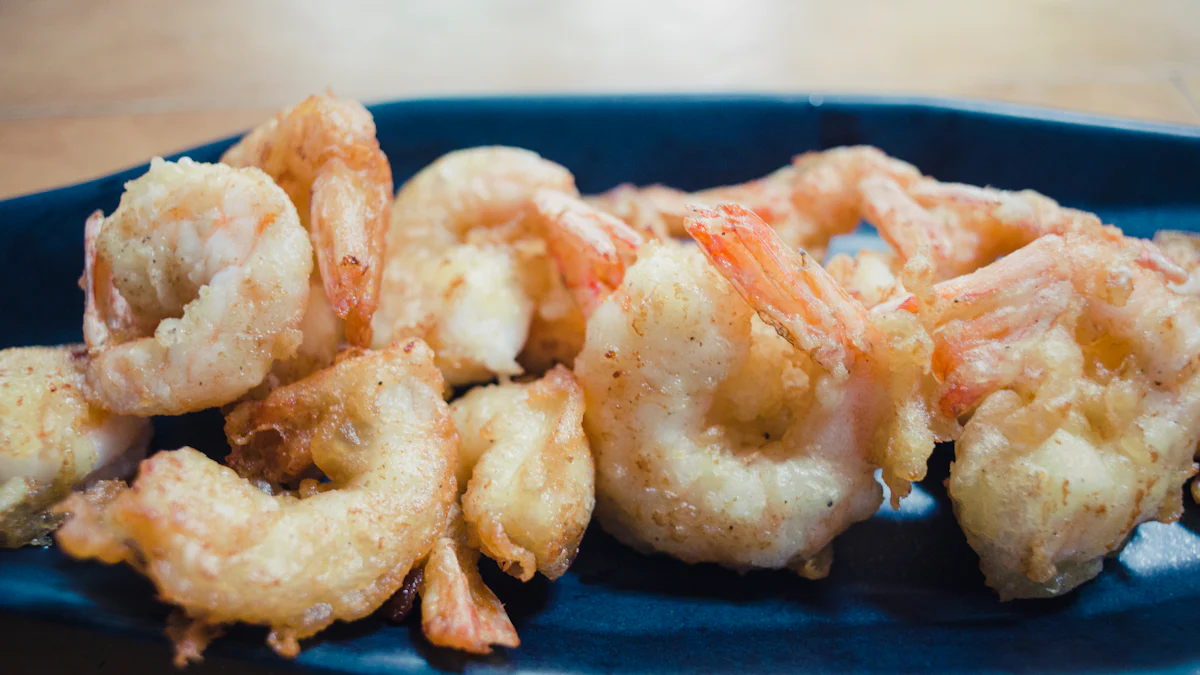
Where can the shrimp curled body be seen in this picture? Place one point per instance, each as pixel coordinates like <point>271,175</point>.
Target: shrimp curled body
<point>1078,365</point>
<point>195,285</point>
<point>526,471</point>
<point>942,230</point>
<point>224,550</point>
<point>525,479</point>
<point>324,154</point>
<point>468,271</point>
<point>716,439</point>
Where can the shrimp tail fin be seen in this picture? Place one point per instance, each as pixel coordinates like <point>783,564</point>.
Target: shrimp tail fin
<point>591,248</point>
<point>990,313</point>
<point>788,288</point>
<point>106,315</point>
<point>912,231</point>
<point>458,610</point>
<point>349,219</point>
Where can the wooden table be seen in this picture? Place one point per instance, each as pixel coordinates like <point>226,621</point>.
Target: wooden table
<point>90,86</point>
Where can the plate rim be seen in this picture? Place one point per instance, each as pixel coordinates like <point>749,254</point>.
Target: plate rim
<point>1059,120</point>
<point>814,99</point>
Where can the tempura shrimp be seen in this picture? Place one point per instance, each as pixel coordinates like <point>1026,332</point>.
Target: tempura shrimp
<point>526,471</point>
<point>1077,364</point>
<point>944,230</point>
<point>526,480</point>
<point>52,439</point>
<point>324,154</point>
<point>717,440</point>
<point>807,203</point>
<point>224,550</point>
<point>467,268</point>
<point>195,285</point>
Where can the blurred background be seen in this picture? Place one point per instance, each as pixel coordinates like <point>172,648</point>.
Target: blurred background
<point>90,86</point>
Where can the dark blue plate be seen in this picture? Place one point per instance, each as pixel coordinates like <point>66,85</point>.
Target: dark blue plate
<point>905,593</point>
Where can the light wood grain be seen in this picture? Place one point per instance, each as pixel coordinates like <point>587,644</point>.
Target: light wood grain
<point>88,86</point>
<point>43,152</point>
<point>1190,88</point>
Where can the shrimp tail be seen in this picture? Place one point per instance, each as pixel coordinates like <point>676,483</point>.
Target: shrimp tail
<point>806,305</point>
<point>323,152</point>
<point>349,220</point>
<point>789,290</point>
<point>105,312</point>
<point>458,610</point>
<point>988,312</point>
<point>915,234</point>
<point>1014,300</point>
<point>591,248</point>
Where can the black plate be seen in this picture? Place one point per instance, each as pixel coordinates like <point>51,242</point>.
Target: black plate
<point>905,593</point>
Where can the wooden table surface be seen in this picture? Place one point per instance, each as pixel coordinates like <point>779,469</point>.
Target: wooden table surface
<point>91,86</point>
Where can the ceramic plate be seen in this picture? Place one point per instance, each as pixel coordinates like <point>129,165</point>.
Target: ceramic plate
<point>905,593</point>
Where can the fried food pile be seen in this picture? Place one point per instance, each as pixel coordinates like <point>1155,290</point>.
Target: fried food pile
<point>476,374</point>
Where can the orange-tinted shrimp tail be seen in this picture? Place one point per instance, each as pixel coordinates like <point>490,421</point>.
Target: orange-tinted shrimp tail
<point>349,220</point>
<point>787,288</point>
<point>591,248</point>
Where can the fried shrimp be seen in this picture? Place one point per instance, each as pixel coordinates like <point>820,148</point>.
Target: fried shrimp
<point>943,230</point>
<point>527,472</point>
<point>52,439</point>
<point>1076,362</point>
<point>195,285</point>
<point>807,203</point>
<point>324,154</point>
<point>876,361</point>
<point>467,268</point>
<point>717,440</point>
<point>527,484</point>
<point>226,551</point>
